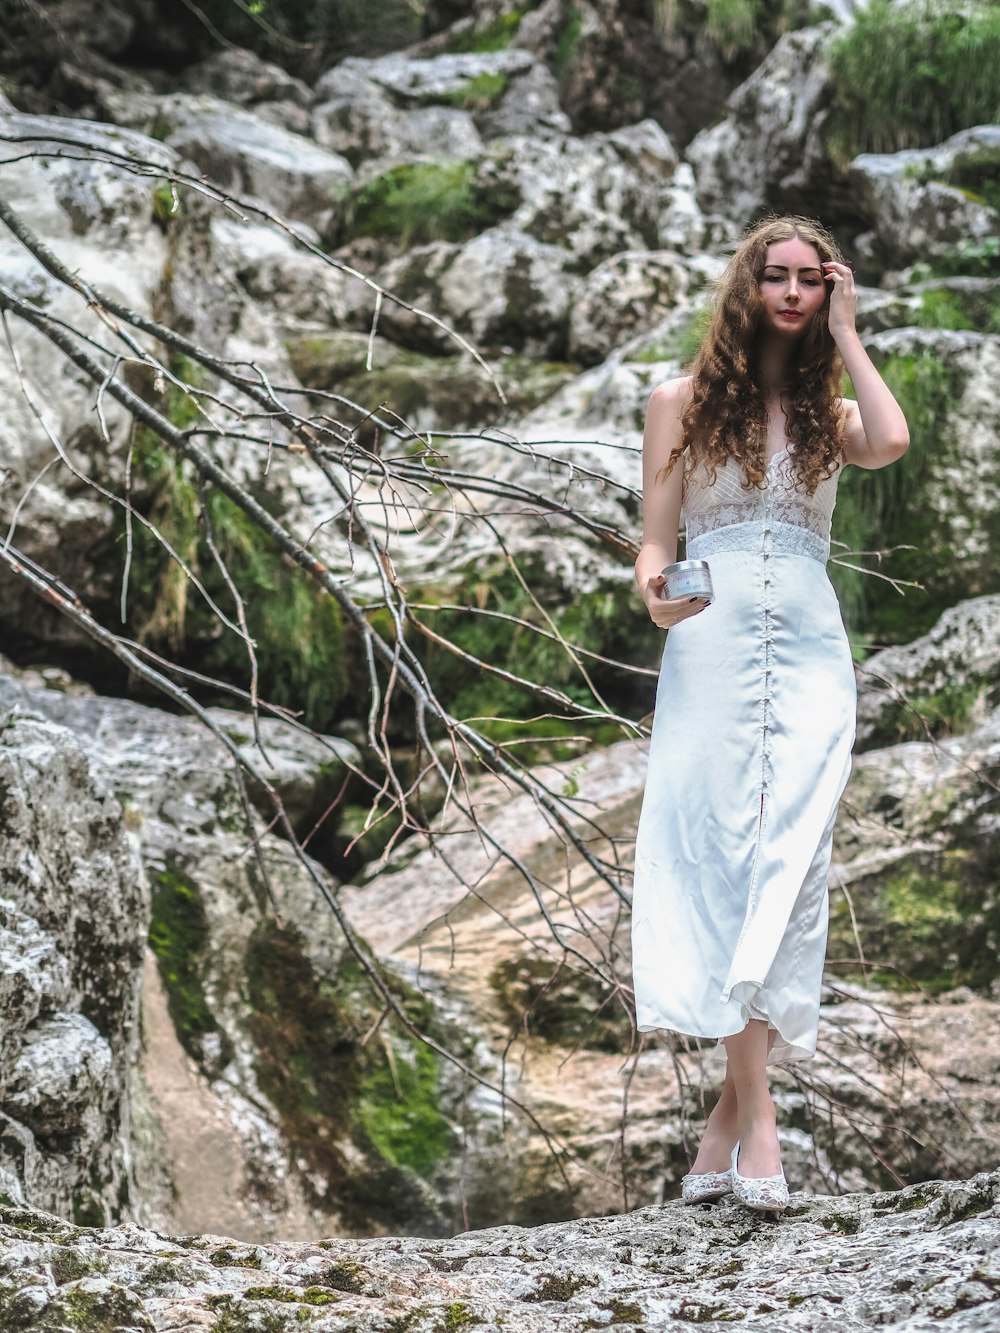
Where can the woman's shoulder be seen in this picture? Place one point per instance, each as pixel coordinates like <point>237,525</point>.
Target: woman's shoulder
<point>673,391</point>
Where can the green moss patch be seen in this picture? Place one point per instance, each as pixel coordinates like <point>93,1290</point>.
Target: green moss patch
<point>417,202</point>
<point>607,620</point>
<point>329,1087</point>
<point>950,711</point>
<point>480,93</point>
<point>932,925</point>
<point>179,936</point>
<point>560,1286</point>
<point>296,626</point>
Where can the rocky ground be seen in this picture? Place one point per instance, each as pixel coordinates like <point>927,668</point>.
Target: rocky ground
<point>925,1258</point>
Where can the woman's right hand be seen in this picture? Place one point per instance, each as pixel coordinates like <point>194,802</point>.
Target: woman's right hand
<point>666,612</point>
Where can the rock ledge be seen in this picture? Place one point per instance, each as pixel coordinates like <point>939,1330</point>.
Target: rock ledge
<point>928,1256</point>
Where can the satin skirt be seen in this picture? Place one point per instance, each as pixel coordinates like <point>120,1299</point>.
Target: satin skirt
<point>749,756</point>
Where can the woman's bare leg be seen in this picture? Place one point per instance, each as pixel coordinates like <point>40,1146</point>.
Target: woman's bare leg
<point>745,1110</point>
<point>756,1117</point>
<point>721,1131</point>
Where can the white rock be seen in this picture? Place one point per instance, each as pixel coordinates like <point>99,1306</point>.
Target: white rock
<point>425,80</point>
<point>959,653</point>
<point>768,150</point>
<point>914,216</point>
<point>625,295</point>
<point>245,153</point>
<point>63,1076</point>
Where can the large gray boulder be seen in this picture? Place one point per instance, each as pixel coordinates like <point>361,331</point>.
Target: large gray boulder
<point>942,682</point>
<point>442,106</point>
<point>255,1009</point>
<point>502,288</point>
<point>922,205</point>
<point>624,296</point>
<point>954,471</point>
<point>768,151</point>
<point>74,910</point>
<point>239,150</point>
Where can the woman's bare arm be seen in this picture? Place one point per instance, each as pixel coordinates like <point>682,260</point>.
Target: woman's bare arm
<point>875,430</point>
<point>661,503</point>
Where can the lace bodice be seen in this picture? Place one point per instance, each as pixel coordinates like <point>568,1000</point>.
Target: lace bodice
<point>728,517</point>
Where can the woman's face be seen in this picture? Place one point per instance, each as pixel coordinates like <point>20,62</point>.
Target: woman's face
<point>792,287</point>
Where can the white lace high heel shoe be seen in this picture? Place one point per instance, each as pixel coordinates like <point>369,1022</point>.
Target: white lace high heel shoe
<point>764,1194</point>
<point>706,1186</point>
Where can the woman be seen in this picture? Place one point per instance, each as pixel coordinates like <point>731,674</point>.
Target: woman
<point>755,713</point>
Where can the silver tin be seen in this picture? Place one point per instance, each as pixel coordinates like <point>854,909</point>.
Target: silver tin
<point>689,578</point>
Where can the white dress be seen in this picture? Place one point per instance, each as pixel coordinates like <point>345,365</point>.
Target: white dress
<point>750,753</point>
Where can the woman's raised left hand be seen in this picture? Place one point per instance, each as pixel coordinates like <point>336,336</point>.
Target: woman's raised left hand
<point>843,299</point>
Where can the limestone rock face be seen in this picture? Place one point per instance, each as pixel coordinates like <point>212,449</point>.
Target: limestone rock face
<point>502,287</point>
<point>446,106</point>
<point>91,215</point>
<point>941,682</point>
<point>915,214</point>
<point>958,468</point>
<point>625,295</point>
<point>252,1075</point>
<point>74,911</point>
<point>241,151</point>
<point>774,121</point>
<point>915,854</point>
<point>924,1257</point>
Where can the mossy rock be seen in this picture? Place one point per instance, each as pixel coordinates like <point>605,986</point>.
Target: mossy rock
<point>493,35</point>
<point>301,647</point>
<point>901,510</point>
<point>179,937</point>
<point>604,620</point>
<point>428,392</point>
<point>559,1004</point>
<point>343,1100</point>
<point>413,203</point>
<point>931,924</point>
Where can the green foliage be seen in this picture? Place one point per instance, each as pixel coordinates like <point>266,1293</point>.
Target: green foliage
<point>608,621</point>
<point>568,42</point>
<point>878,509</point>
<point>976,170</point>
<point>178,936</point>
<point>480,93</point>
<point>909,76</point>
<point>416,202</point>
<point>972,258</point>
<point>296,626</point>
<point>731,25</point>
<point>942,309</point>
<point>949,711</point>
<point>495,36</point>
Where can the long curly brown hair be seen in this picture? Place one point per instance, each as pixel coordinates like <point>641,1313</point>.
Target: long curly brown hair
<point>727,415</point>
